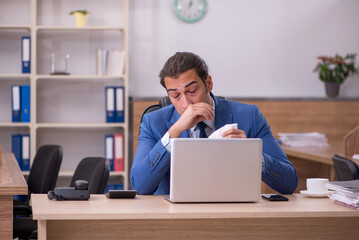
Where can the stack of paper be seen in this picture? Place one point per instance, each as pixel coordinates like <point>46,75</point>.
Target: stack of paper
<point>345,192</point>
<point>303,139</point>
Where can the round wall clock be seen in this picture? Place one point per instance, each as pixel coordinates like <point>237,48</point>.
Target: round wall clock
<point>190,10</point>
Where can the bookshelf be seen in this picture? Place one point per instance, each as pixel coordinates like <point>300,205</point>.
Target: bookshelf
<point>68,110</point>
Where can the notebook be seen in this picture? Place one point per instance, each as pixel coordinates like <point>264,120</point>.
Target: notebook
<point>215,170</point>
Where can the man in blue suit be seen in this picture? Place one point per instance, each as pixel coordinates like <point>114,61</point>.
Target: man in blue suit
<point>195,111</point>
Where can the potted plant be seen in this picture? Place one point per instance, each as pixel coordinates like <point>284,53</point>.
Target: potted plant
<point>333,71</point>
<point>80,17</point>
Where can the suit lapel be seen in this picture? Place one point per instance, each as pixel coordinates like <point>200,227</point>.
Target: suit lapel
<point>223,115</point>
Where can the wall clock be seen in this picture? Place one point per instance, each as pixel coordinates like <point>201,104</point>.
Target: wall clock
<point>190,10</point>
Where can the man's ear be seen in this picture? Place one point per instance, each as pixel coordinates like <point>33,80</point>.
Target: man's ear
<point>209,83</point>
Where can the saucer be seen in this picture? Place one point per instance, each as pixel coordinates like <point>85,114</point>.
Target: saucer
<point>316,194</point>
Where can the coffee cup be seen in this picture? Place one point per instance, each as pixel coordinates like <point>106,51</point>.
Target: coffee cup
<point>316,185</point>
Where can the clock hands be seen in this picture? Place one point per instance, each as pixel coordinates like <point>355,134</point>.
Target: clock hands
<point>190,4</point>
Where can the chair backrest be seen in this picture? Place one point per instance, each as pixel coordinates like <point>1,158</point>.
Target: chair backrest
<point>96,171</point>
<point>164,101</point>
<point>345,169</point>
<point>45,169</point>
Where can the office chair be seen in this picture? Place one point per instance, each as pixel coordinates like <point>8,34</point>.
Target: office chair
<point>345,169</point>
<point>96,171</point>
<point>163,102</point>
<point>43,173</point>
<point>42,178</point>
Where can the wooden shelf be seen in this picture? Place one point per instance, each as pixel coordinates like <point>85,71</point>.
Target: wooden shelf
<point>78,77</point>
<point>87,28</point>
<point>13,76</point>
<point>69,173</point>
<point>80,125</point>
<point>14,124</point>
<point>15,27</point>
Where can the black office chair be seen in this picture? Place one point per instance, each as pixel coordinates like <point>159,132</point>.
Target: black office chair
<point>42,178</point>
<point>96,171</point>
<point>43,174</point>
<point>163,102</point>
<point>345,169</point>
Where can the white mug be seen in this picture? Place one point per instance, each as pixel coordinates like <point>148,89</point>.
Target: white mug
<point>316,185</point>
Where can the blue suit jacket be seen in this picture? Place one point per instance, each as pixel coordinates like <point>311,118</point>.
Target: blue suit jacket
<point>150,173</point>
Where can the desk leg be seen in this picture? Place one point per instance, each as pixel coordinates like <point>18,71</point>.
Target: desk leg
<point>6,217</point>
<point>41,229</point>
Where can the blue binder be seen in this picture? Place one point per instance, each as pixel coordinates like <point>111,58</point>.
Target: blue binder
<point>109,150</point>
<point>25,153</point>
<point>16,147</point>
<point>25,103</point>
<point>110,104</point>
<point>15,103</point>
<point>25,54</point>
<point>120,104</point>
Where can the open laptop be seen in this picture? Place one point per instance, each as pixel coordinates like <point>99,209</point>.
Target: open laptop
<point>215,170</point>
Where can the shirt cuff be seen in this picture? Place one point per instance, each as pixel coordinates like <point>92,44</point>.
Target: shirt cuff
<point>166,142</point>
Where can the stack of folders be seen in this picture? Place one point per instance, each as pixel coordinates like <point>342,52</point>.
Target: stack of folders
<point>303,139</point>
<point>21,150</point>
<point>345,192</point>
<point>20,103</point>
<point>110,62</point>
<point>114,151</point>
<point>115,104</point>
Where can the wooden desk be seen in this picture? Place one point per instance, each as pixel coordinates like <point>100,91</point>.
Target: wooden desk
<point>152,217</point>
<point>12,182</point>
<point>314,162</point>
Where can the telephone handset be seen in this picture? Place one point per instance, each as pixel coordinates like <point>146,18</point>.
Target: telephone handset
<point>79,192</point>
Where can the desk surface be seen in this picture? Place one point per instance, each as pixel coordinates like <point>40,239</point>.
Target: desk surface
<point>156,207</point>
<point>12,181</point>
<point>317,154</point>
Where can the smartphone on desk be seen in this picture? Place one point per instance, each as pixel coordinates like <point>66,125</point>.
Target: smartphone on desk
<point>274,197</point>
<point>121,193</point>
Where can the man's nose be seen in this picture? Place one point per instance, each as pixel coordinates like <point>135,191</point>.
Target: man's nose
<point>186,102</point>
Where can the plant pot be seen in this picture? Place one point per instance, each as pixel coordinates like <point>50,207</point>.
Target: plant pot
<point>332,89</point>
<point>80,19</point>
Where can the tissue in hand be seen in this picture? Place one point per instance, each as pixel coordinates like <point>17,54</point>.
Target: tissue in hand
<point>218,133</point>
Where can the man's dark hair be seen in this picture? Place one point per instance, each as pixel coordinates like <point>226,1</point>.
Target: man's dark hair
<point>182,62</point>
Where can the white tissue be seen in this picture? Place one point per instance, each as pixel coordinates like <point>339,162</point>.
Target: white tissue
<point>218,133</point>
<point>356,156</point>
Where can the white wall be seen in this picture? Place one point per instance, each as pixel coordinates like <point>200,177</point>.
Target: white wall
<point>253,48</point>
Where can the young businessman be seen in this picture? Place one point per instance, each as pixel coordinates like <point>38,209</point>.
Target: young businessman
<point>188,84</point>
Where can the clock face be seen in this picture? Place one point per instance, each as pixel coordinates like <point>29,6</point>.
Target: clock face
<point>190,10</point>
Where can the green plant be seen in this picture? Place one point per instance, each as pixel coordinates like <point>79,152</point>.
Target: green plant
<point>84,12</point>
<point>336,69</point>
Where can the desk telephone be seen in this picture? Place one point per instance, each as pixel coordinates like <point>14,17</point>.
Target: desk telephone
<point>79,192</point>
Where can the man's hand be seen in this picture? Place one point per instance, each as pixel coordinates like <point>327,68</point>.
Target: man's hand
<point>194,114</point>
<point>234,133</point>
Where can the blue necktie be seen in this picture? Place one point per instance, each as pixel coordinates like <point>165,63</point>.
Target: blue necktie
<point>202,133</point>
